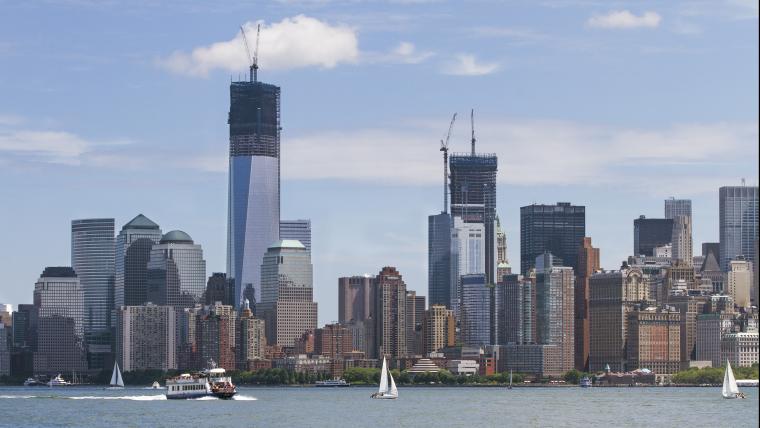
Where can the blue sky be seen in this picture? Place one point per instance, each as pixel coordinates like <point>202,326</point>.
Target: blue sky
<point>118,108</point>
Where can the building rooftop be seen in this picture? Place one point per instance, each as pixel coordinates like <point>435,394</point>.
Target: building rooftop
<point>288,243</point>
<point>140,222</point>
<point>58,272</point>
<point>176,237</point>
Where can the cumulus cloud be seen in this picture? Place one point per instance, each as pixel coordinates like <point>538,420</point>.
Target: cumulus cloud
<point>295,42</point>
<point>467,65</point>
<point>624,19</point>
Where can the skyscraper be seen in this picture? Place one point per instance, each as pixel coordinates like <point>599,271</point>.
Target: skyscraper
<point>390,314</point>
<point>438,328</point>
<point>287,294</point>
<point>439,259</point>
<point>254,181</point>
<point>555,311</point>
<point>649,233</point>
<point>558,229</point>
<point>588,264</point>
<point>145,338</point>
<point>355,298</point>
<point>473,198</point>
<point>681,239</point>
<point>176,271</point>
<point>675,207</point>
<point>133,247</point>
<point>59,292</point>
<point>92,257</point>
<point>468,256</point>
<point>475,309</point>
<point>738,223</point>
<point>298,230</point>
<point>509,309</point>
<point>739,282</point>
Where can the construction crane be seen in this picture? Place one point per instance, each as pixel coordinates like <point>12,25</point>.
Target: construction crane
<point>445,150</point>
<point>253,61</point>
<point>472,127</point>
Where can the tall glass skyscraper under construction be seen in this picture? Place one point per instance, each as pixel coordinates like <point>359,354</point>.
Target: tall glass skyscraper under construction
<point>253,222</point>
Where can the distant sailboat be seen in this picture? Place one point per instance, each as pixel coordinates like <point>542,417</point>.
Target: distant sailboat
<point>730,389</point>
<point>384,392</point>
<point>116,381</point>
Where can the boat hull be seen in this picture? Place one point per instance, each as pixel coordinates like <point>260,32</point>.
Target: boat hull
<point>187,395</point>
<point>377,396</point>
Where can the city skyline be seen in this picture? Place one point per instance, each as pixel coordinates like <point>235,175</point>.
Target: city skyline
<point>56,157</point>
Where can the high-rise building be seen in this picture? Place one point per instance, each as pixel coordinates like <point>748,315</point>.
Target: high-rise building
<point>740,348</point>
<point>707,341</point>
<point>475,310</point>
<point>251,337</point>
<point>133,247</point>
<point>738,223</point>
<point>558,229</point>
<point>675,207</point>
<point>502,260</point>
<point>215,336</point>
<point>473,199</point>
<point>555,287</point>
<point>711,247</point>
<point>355,298</point>
<point>689,306</point>
<point>439,259</point>
<point>739,281</point>
<point>612,295</point>
<point>145,338</point>
<point>654,341</point>
<point>60,348</point>
<point>220,289</point>
<point>509,309</point>
<point>92,257</point>
<point>681,239</point>
<point>176,271</point>
<point>59,292</point>
<point>710,270</point>
<point>439,328</point>
<point>254,188</point>
<point>650,233</point>
<point>333,341</point>
<point>588,264</point>
<point>297,230</point>
<point>287,294</point>
<point>390,314</point>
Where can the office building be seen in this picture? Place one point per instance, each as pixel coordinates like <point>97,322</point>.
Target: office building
<point>710,270</point>
<point>473,199</point>
<point>287,294</point>
<point>612,295</point>
<point>681,240</point>
<point>333,341</point>
<point>220,289</point>
<point>509,309</point>
<point>739,281</point>
<point>689,306</point>
<point>133,247</point>
<point>738,223</point>
<point>676,207</point>
<point>176,272</point>
<point>439,328</point>
<point>710,329</point>
<point>145,338</point>
<point>215,336</point>
<point>251,338</point>
<point>740,348</point>
<point>654,338</point>
<point>588,264</point>
<point>558,229</point>
<point>254,181</point>
<point>58,292</point>
<point>650,233</point>
<point>355,298</point>
<point>390,314</point>
<point>297,230</point>
<point>475,309</point>
<point>60,348</point>
<point>502,260</point>
<point>439,259</point>
<point>711,247</point>
<point>555,292</point>
<point>468,255</point>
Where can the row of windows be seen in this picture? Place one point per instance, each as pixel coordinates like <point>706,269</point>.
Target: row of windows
<point>187,387</point>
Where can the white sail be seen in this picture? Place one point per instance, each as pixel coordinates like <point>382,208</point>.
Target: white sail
<point>383,378</point>
<point>730,389</point>
<point>116,379</point>
<point>393,392</point>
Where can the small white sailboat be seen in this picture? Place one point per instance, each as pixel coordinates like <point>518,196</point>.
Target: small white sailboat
<point>116,381</point>
<point>384,392</point>
<point>730,389</point>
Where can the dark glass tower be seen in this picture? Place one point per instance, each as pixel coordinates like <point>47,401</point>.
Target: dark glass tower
<point>439,259</point>
<point>253,222</point>
<point>738,223</point>
<point>473,198</point>
<point>558,229</point>
<point>649,233</point>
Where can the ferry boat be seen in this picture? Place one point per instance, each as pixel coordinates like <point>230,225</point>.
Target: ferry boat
<point>33,382</point>
<point>332,383</point>
<point>57,381</point>
<point>586,382</point>
<point>210,382</point>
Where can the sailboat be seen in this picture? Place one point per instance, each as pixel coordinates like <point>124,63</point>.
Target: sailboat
<point>384,392</point>
<point>116,381</point>
<point>730,389</point>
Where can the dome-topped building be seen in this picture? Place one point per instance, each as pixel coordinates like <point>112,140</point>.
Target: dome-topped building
<point>176,237</point>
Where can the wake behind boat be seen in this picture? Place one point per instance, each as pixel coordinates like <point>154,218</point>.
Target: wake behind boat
<point>384,392</point>
<point>730,388</point>
<point>116,381</point>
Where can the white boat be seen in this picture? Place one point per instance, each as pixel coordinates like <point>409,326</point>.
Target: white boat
<point>156,385</point>
<point>30,381</point>
<point>730,389</point>
<point>330,383</point>
<point>57,381</point>
<point>211,382</point>
<point>384,392</point>
<point>116,381</point>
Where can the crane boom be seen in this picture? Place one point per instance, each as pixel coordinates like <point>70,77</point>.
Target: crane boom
<point>247,53</point>
<point>445,150</point>
<point>256,55</point>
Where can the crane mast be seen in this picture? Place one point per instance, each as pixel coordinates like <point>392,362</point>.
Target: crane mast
<point>253,61</point>
<point>445,150</point>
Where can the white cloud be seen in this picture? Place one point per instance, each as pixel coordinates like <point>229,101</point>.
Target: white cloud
<point>624,19</point>
<point>48,146</point>
<point>467,65</point>
<point>295,42</point>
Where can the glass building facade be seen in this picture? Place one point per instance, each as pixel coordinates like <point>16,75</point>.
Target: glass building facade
<point>298,230</point>
<point>675,207</point>
<point>92,257</point>
<point>649,233</point>
<point>439,259</point>
<point>558,229</point>
<point>555,311</point>
<point>738,223</point>
<point>176,272</point>
<point>475,310</point>
<point>253,222</point>
<point>133,247</point>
